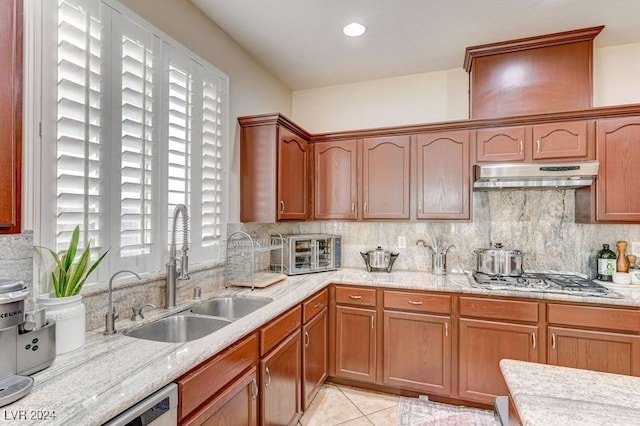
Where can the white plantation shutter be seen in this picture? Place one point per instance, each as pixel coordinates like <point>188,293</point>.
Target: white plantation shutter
<point>139,141</point>
<point>133,124</point>
<point>212,161</point>
<point>80,136</point>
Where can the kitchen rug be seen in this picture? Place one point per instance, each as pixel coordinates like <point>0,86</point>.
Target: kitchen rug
<point>422,412</point>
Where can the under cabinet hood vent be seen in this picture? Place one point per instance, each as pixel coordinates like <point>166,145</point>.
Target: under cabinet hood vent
<point>538,175</point>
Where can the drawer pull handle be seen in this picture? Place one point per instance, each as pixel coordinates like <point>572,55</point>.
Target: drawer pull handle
<point>268,373</point>
<point>355,296</point>
<point>533,337</point>
<point>281,207</point>
<point>520,149</point>
<point>306,339</point>
<point>366,207</point>
<point>353,207</point>
<point>553,341</point>
<point>372,321</point>
<point>446,329</point>
<point>317,305</point>
<point>415,302</point>
<point>538,146</point>
<point>254,389</point>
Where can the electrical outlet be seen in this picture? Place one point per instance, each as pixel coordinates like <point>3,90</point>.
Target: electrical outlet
<point>402,242</point>
<point>635,248</point>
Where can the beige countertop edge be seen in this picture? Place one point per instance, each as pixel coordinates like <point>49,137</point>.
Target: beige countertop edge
<point>111,373</point>
<point>546,394</point>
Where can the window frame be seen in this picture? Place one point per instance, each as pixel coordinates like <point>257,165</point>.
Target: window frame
<point>39,129</point>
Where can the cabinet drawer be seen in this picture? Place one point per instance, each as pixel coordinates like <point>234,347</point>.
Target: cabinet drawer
<point>594,317</point>
<point>419,302</point>
<point>274,332</point>
<point>314,305</point>
<point>512,310</point>
<point>356,296</point>
<point>200,384</point>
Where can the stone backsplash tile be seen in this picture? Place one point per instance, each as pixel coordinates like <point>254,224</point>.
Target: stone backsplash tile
<point>540,223</point>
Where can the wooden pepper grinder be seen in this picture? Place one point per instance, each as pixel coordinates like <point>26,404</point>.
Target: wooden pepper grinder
<point>622,263</point>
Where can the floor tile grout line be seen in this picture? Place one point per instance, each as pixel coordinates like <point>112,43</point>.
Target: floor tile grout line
<point>353,403</point>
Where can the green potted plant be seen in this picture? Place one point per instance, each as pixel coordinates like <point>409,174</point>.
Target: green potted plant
<point>64,305</point>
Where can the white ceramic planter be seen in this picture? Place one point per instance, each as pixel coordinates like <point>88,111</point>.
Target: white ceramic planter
<point>69,315</point>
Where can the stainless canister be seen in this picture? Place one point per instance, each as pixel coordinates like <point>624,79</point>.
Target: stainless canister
<point>499,261</point>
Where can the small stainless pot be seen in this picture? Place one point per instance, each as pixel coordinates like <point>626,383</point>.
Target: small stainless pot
<point>499,261</point>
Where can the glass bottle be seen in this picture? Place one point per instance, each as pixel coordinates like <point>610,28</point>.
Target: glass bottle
<point>606,263</point>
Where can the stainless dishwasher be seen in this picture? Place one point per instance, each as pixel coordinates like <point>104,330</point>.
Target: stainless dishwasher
<point>158,409</point>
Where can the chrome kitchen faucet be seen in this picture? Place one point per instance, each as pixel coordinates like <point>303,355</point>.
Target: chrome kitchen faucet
<point>172,271</point>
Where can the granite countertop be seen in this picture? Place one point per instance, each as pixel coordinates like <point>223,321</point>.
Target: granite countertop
<point>111,373</point>
<point>547,394</point>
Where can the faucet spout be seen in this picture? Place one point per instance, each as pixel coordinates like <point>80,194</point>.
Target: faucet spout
<point>111,316</point>
<point>172,269</point>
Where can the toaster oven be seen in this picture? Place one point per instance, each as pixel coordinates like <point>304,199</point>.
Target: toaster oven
<point>307,253</point>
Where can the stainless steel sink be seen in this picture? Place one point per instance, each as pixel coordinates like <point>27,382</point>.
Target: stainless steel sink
<point>231,308</point>
<point>178,328</point>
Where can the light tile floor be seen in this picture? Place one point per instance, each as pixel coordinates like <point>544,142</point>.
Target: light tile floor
<point>345,406</point>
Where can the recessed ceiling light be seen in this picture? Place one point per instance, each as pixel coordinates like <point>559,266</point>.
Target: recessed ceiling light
<point>354,29</point>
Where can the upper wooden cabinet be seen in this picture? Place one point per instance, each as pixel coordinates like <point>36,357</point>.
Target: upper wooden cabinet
<point>336,180</point>
<point>11,115</point>
<point>385,177</point>
<point>560,141</point>
<point>275,170</point>
<point>443,175</point>
<point>618,148</point>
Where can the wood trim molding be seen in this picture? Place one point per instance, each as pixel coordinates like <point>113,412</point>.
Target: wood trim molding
<point>565,37</point>
<point>271,119</point>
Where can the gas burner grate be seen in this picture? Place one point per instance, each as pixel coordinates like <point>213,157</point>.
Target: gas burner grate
<point>543,282</point>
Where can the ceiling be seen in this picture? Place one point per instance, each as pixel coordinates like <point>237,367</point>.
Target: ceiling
<point>301,41</point>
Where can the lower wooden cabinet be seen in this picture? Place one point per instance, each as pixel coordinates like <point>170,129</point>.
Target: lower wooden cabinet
<point>417,352</point>
<point>314,356</point>
<point>356,343</point>
<point>280,383</point>
<point>482,345</point>
<point>594,350</point>
<point>237,405</point>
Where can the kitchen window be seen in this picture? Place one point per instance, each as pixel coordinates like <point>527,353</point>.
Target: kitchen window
<point>132,124</point>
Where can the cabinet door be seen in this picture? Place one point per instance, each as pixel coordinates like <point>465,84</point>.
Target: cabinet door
<point>280,377</point>
<point>336,186</point>
<point>482,345</point>
<point>500,144</point>
<point>443,175</point>
<point>293,176</point>
<point>560,140</point>
<point>385,177</point>
<point>617,149</point>
<point>594,350</point>
<point>417,352</point>
<point>11,115</point>
<point>237,405</point>
<point>356,343</point>
<point>314,357</point>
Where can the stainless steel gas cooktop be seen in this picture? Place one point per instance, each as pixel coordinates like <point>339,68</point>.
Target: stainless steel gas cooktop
<point>543,282</point>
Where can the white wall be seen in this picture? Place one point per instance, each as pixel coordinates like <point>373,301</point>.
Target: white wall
<point>442,95</point>
<point>616,75</point>
<point>252,88</point>
<point>411,99</point>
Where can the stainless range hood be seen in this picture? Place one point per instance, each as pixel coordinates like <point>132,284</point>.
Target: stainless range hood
<point>538,175</point>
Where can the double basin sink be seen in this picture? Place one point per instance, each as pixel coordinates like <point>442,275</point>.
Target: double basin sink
<point>198,321</point>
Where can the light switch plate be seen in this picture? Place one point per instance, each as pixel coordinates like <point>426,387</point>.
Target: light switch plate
<point>402,242</point>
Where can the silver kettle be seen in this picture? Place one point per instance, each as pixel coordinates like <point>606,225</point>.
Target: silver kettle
<point>378,259</point>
